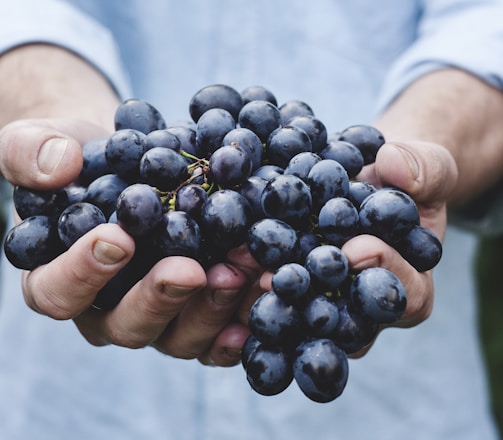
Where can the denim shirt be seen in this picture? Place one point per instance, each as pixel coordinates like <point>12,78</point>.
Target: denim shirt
<point>348,60</point>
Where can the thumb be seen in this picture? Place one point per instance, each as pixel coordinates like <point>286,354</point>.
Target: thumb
<point>44,153</point>
<point>425,170</point>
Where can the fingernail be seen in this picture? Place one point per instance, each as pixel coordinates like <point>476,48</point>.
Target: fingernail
<point>224,297</point>
<point>233,353</point>
<point>107,253</point>
<point>410,160</point>
<point>51,153</point>
<point>176,291</point>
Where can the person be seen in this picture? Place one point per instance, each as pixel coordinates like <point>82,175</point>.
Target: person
<point>411,68</point>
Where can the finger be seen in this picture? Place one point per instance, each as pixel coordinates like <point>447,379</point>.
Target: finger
<point>366,251</point>
<point>205,315</point>
<point>241,258</point>
<point>226,349</point>
<point>43,153</point>
<point>67,285</point>
<point>147,309</point>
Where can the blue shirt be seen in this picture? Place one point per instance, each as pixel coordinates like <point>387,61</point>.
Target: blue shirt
<point>348,60</point>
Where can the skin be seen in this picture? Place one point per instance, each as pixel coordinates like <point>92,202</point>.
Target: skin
<point>178,308</point>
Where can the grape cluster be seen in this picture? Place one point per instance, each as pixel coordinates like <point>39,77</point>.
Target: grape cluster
<point>244,170</point>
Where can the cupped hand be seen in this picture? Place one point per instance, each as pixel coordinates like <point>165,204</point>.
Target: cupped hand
<point>178,308</point>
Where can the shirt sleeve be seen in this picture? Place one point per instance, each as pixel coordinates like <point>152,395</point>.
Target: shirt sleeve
<point>466,34</point>
<point>59,23</point>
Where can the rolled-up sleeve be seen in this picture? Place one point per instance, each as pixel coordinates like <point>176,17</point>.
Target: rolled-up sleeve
<point>59,23</point>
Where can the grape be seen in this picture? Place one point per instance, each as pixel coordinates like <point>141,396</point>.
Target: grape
<point>249,345</point>
<point>287,198</point>
<point>162,139</point>
<point>230,166</point>
<point>291,282</point>
<point>215,96</point>
<point>268,171</point>
<point>272,243</point>
<point>261,117</point>
<point>94,162</point>
<point>358,191</point>
<point>328,267</point>
<point>139,209</point>
<point>314,128</point>
<point>76,220</point>
<point>421,248</point>
<point>338,221</point>
<point>379,294</point>
<point>104,192</point>
<point>327,179</point>
<point>258,93</point>
<point>346,154</point>
<point>190,199</point>
<point>211,129</point>
<point>32,242</point>
<point>252,190</point>
<point>124,151</point>
<point>388,214</point>
<point>285,142</point>
<point>273,321</point>
<point>29,202</point>
<point>300,164</point>
<point>320,369</point>
<point>163,168</point>
<point>187,138</point>
<point>292,108</point>
<point>247,140</point>
<point>366,138</point>
<point>138,115</point>
<point>269,370</point>
<point>321,316</point>
<point>225,218</point>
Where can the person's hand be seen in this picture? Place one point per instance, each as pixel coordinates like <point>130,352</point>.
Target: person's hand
<point>428,173</point>
<point>177,307</point>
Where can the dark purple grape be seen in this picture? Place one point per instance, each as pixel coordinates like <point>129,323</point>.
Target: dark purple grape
<point>346,154</point>
<point>162,139</point>
<point>139,209</point>
<point>274,322</point>
<point>307,242</point>
<point>291,282</point>
<point>321,316</point>
<point>388,214</point>
<point>258,93</point>
<point>30,202</point>
<point>190,199</point>
<point>320,369</point>
<point>252,190</point>
<point>314,128</point>
<point>272,243</point>
<point>327,179</point>
<point>338,221</point>
<point>366,138</point>
<point>292,108</point>
<point>359,190</point>
<point>287,198</point>
<point>421,248</point>
<point>269,370</point>
<point>225,218</point>
<point>261,117</point>
<point>104,192</point>
<point>187,138</point>
<point>215,96</point>
<point>78,219</point>
<point>230,166</point>
<point>328,267</point>
<point>286,142</point>
<point>76,193</point>
<point>379,294</point>
<point>138,115</point>
<point>163,168</point>
<point>124,151</point>
<point>94,162</point>
<point>211,129</point>
<point>250,344</point>
<point>268,171</point>
<point>178,234</point>
<point>300,164</point>
<point>354,330</point>
<point>247,140</point>
<point>32,243</point>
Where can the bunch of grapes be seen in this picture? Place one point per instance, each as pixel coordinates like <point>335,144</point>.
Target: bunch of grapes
<point>244,170</point>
